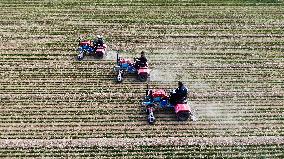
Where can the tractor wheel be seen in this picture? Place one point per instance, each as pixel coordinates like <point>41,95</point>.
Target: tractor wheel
<point>143,77</point>
<point>99,55</point>
<point>119,79</point>
<point>151,119</point>
<point>80,58</point>
<point>183,116</point>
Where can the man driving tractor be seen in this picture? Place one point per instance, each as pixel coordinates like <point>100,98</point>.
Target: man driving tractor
<point>179,95</point>
<point>98,42</point>
<point>141,61</point>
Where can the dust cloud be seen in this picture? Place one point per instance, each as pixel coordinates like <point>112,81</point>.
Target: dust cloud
<point>111,55</point>
<point>162,75</point>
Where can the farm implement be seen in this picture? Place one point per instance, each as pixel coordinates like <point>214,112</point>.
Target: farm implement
<point>126,66</point>
<point>89,48</point>
<point>159,100</point>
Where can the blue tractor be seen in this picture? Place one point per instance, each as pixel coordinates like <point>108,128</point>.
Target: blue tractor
<point>126,66</point>
<point>88,48</point>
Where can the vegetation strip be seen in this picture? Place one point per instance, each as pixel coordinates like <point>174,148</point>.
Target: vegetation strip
<point>129,142</point>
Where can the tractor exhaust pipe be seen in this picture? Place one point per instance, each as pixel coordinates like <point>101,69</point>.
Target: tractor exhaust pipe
<point>147,89</point>
<point>117,58</point>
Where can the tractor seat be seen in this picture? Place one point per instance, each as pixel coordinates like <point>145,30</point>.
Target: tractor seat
<point>143,65</point>
<point>183,100</point>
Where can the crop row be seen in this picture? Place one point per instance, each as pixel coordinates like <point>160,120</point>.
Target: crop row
<point>40,128</point>
<point>170,147</point>
<point>119,116</point>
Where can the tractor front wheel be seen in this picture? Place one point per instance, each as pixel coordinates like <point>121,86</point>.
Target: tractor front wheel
<point>183,116</point>
<point>151,118</point>
<point>119,77</point>
<point>119,80</point>
<point>80,56</point>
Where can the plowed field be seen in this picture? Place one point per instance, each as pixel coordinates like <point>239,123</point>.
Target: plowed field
<point>230,54</point>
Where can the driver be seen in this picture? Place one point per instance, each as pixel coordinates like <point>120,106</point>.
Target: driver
<point>99,41</point>
<point>141,61</point>
<point>181,91</point>
<point>179,95</point>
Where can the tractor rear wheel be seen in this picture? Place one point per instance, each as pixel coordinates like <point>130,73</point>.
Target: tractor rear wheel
<point>183,116</point>
<point>143,77</point>
<point>99,55</point>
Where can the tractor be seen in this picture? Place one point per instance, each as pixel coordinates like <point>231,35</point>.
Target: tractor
<point>88,48</point>
<point>126,66</point>
<point>159,100</point>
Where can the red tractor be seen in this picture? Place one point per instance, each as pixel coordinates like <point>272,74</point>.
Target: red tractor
<point>158,99</point>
